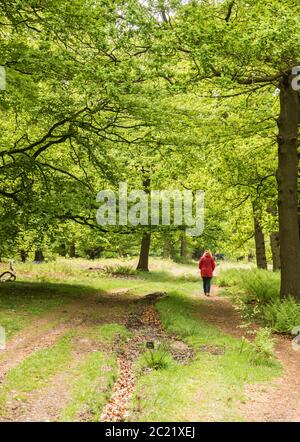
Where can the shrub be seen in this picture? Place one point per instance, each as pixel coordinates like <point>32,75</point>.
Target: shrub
<point>157,359</point>
<point>260,285</point>
<point>283,316</point>
<point>229,278</point>
<point>248,312</point>
<point>261,350</point>
<point>119,270</point>
<point>183,260</point>
<point>264,343</point>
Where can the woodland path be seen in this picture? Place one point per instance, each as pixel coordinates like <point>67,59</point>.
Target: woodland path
<point>278,401</point>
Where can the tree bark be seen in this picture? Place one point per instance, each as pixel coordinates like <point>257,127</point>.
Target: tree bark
<point>94,253</point>
<point>72,251</point>
<point>144,252</point>
<point>146,238</point>
<point>288,126</point>
<point>23,255</point>
<point>166,248</point>
<point>183,246</point>
<point>260,246</point>
<point>62,249</point>
<point>275,249</point>
<point>39,256</point>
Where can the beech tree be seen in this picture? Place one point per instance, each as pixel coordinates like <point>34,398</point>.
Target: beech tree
<point>242,47</point>
<point>196,93</point>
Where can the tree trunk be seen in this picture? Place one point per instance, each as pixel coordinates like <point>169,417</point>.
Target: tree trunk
<point>183,245</point>
<point>275,249</point>
<point>166,247</point>
<point>145,244</point>
<point>94,253</point>
<point>144,252</point>
<point>72,250</point>
<point>288,125</point>
<point>23,255</point>
<point>260,246</point>
<point>62,249</point>
<point>38,256</point>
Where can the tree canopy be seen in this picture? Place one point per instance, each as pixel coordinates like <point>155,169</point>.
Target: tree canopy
<point>163,94</point>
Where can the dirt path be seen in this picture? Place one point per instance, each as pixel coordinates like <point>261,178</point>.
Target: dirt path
<point>279,402</point>
<point>46,403</point>
<point>43,332</point>
<point>220,312</point>
<point>146,328</point>
<point>137,313</point>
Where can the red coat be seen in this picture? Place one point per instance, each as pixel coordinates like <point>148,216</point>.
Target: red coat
<point>207,266</point>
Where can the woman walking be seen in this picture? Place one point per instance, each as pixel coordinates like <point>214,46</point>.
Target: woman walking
<point>207,266</point>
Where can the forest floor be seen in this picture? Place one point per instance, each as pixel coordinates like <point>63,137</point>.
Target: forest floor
<point>278,401</point>
<point>79,349</point>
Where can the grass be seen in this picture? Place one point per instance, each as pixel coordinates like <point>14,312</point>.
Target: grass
<point>13,322</point>
<point>92,380</point>
<point>23,300</point>
<point>209,388</point>
<point>255,284</point>
<point>257,295</point>
<point>91,390</point>
<point>212,384</point>
<point>36,370</point>
<point>79,268</point>
<point>107,333</point>
<point>157,359</point>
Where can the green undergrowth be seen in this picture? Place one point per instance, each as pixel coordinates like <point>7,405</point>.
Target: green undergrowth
<point>92,380</point>
<point>256,295</point>
<point>91,388</point>
<point>212,384</point>
<point>35,371</point>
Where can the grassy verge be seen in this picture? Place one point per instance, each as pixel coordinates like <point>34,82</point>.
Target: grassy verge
<point>91,390</point>
<point>210,387</point>
<point>107,333</point>
<point>22,301</point>
<point>40,289</point>
<point>256,294</point>
<point>36,370</point>
<point>92,380</point>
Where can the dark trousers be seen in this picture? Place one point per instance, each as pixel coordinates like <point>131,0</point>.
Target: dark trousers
<point>206,284</point>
